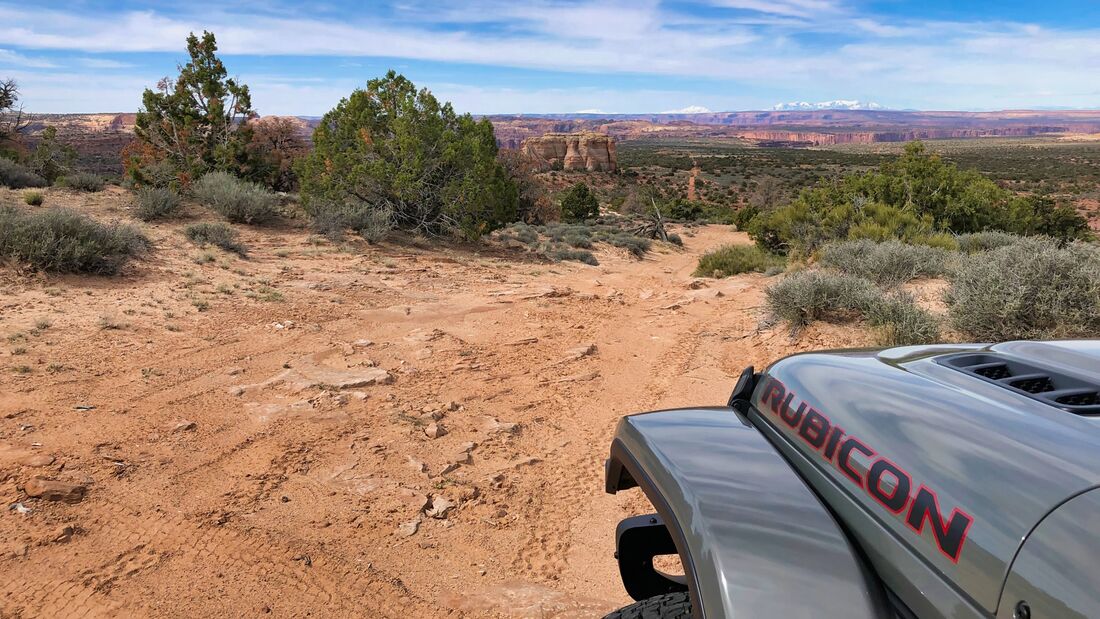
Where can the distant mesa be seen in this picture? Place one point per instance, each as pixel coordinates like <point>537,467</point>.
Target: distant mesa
<point>838,104</point>
<point>589,151</point>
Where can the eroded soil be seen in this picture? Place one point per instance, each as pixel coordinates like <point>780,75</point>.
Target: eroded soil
<point>391,431</point>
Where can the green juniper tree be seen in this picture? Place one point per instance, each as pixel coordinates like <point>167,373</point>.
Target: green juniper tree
<point>393,151</point>
<point>197,123</point>
<point>579,203</point>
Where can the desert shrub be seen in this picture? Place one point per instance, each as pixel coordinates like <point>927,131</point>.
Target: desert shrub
<point>675,239</point>
<point>63,241</point>
<point>1030,289</point>
<point>17,176</point>
<point>216,234</point>
<point>331,220</point>
<point>975,242</point>
<point>275,145</point>
<point>579,203</point>
<point>534,205</point>
<point>733,259</point>
<point>34,198</point>
<point>238,201</point>
<point>803,297</point>
<point>83,181</point>
<point>156,203</point>
<point>395,147</point>
<point>636,245</point>
<point>561,254</point>
<point>888,263</point>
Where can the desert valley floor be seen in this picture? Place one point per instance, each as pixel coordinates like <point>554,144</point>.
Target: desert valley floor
<point>390,431</point>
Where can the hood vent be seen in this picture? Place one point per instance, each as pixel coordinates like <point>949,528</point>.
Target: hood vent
<point>1043,384</point>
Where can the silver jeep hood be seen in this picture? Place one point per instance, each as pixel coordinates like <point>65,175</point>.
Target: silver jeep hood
<point>940,452</point>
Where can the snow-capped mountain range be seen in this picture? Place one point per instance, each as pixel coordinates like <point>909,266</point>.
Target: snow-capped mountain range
<point>838,104</point>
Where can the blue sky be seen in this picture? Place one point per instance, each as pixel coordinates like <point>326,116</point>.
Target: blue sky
<point>501,56</point>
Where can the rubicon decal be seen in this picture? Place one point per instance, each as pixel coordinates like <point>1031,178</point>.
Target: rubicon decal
<point>886,482</point>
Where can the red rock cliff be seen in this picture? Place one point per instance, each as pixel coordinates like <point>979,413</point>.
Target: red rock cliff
<point>594,152</point>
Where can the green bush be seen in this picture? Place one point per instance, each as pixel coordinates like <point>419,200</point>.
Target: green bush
<point>521,232</point>
<point>733,259</point>
<point>806,296</point>
<point>391,145</point>
<point>18,177</point>
<point>83,181</point>
<point>889,263</point>
<point>216,234</point>
<point>238,201</point>
<point>156,203</point>
<point>51,159</point>
<point>1030,289</point>
<point>579,203</point>
<point>34,198</point>
<point>918,198</point>
<point>62,241</point>
<point>975,242</point>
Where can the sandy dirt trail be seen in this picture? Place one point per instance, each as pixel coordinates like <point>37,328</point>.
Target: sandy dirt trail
<point>394,433</point>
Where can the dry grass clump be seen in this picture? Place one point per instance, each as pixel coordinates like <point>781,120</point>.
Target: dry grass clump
<point>216,234</point>
<point>83,181</point>
<point>17,176</point>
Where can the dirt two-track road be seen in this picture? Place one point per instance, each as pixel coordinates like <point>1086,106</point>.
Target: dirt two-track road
<point>387,432</point>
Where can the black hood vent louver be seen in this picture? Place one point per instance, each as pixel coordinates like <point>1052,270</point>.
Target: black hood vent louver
<point>1043,384</point>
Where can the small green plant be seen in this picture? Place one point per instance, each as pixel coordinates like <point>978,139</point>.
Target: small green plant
<point>63,241</point>
<point>22,369</point>
<point>579,203</point>
<point>34,198</point>
<point>733,259</point>
<point>889,263</point>
<point>19,350</point>
<point>237,200</point>
<point>200,304</point>
<point>216,234</point>
<point>83,181</point>
<point>16,176</point>
<point>156,203</point>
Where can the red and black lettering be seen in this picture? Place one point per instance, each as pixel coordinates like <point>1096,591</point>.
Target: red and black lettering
<point>895,501</point>
<point>815,427</point>
<point>951,535</point>
<point>820,433</point>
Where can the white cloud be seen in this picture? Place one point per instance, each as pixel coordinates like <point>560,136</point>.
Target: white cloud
<point>14,59</point>
<point>591,110</point>
<point>837,104</point>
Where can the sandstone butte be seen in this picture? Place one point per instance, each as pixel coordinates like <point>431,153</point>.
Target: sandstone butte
<point>594,152</point>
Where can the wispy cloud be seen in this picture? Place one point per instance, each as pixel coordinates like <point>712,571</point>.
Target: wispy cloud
<point>735,53</point>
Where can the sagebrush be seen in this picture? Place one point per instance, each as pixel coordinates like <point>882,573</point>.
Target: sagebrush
<point>156,203</point>
<point>17,176</point>
<point>1030,289</point>
<point>888,263</point>
<point>239,201</point>
<point>62,241</point>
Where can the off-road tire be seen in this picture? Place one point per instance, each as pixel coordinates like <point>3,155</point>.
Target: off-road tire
<point>669,606</point>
